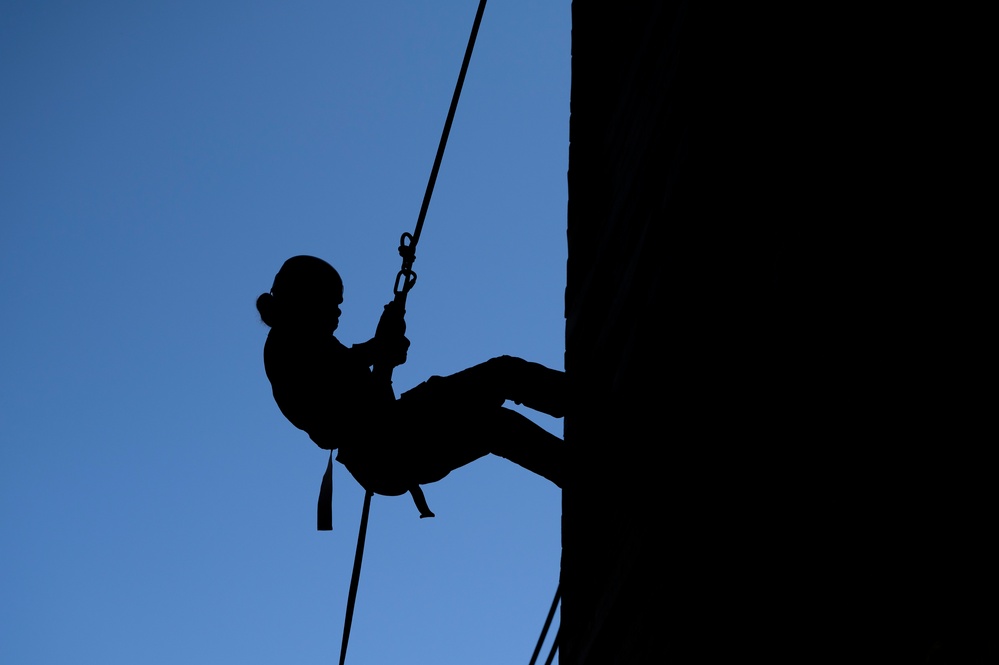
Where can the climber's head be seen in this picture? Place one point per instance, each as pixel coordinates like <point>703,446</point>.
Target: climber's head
<point>306,294</point>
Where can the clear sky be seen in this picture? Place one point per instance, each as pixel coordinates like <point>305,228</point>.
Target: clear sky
<point>158,162</point>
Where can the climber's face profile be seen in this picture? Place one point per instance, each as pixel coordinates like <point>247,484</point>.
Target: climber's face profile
<point>335,311</point>
<point>307,293</point>
<point>324,305</point>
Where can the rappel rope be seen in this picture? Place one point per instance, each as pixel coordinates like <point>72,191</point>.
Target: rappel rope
<point>408,249</point>
<point>405,279</point>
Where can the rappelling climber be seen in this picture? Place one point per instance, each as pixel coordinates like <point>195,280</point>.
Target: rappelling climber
<point>342,397</point>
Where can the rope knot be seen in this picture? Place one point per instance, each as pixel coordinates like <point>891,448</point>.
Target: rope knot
<point>407,248</point>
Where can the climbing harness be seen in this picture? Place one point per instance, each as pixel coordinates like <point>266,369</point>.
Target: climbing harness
<point>404,281</point>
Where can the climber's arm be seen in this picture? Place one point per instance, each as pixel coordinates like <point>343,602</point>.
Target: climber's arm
<point>389,346</point>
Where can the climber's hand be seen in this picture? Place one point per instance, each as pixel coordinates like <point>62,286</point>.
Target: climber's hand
<point>391,336</point>
<point>394,351</point>
<point>392,322</point>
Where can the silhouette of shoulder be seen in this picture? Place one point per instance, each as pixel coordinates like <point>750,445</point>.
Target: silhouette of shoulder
<point>319,385</point>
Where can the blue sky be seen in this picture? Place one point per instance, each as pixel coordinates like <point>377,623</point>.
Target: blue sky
<point>158,162</point>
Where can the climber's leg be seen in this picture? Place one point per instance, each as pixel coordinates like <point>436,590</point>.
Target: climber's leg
<point>502,378</point>
<point>515,437</point>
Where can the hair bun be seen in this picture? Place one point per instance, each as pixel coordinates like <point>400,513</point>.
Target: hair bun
<point>267,308</point>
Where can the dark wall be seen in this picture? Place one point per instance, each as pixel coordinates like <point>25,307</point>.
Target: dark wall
<point>769,457</point>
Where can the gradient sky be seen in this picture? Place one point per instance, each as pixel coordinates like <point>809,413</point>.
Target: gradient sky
<point>158,162</point>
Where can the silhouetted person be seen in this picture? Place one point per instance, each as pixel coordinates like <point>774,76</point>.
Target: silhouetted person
<point>343,398</point>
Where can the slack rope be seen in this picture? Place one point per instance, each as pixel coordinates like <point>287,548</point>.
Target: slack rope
<point>551,654</point>
<point>544,630</point>
<point>404,281</point>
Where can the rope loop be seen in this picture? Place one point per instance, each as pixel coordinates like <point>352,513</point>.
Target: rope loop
<point>405,279</point>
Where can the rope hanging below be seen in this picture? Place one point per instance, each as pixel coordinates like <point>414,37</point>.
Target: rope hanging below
<point>355,576</point>
<point>404,281</point>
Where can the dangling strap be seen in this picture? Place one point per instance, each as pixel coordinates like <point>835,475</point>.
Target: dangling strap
<point>324,511</point>
<point>421,501</point>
